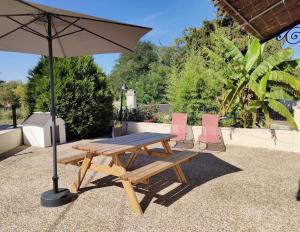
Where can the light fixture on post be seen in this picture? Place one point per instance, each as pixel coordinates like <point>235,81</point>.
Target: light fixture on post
<point>123,89</point>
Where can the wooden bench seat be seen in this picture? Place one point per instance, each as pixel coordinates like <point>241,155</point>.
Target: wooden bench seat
<point>143,173</point>
<point>75,160</point>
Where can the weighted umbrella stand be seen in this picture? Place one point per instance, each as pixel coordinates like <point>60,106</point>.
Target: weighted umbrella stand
<point>56,196</point>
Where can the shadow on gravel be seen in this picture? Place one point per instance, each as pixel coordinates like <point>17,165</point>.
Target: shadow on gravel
<point>14,152</point>
<point>201,169</point>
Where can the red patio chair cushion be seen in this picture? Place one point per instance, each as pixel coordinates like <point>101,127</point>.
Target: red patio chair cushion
<point>210,129</point>
<point>179,125</point>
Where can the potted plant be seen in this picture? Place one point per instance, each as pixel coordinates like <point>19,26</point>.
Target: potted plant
<point>117,129</point>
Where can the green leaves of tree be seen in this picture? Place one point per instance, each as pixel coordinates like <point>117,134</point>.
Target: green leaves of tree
<point>83,96</point>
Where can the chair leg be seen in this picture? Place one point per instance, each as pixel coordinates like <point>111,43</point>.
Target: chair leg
<point>132,197</point>
<point>206,145</point>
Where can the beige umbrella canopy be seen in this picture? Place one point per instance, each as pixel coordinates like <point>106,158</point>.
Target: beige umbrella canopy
<point>24,29</point>
<point>34,28</point>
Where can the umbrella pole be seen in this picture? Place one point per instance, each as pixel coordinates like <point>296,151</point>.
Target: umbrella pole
<point>53,114</point>
<point>56,196</point>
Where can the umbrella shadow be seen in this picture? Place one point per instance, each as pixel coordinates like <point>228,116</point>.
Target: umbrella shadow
<point>202,169</point>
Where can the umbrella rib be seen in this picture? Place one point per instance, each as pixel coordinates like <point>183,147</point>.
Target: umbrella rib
<point>95,34</point>
<point>32,32</point>
<point>57,33</point>
<point>21,15</point>
<point>70,33</point>
<point>92,19</point>
<point>105,21</point>
<point>29,29</point>
<point>20,27</point>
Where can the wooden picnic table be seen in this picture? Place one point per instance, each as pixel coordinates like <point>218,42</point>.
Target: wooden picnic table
<point>134,144</point>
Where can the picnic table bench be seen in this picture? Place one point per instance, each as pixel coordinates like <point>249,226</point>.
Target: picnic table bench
<point>135,144</point>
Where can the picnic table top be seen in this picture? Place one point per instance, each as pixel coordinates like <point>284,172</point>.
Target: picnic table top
<point>122,144</point>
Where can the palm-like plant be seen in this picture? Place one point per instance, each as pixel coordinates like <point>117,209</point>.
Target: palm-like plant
<point>259,83</point>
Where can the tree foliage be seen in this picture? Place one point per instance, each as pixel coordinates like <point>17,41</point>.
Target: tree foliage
<point>12,94</point>
<point>193,88</point>
<point>151,87</point>
<point>83,96</point>
<point>131,66</point>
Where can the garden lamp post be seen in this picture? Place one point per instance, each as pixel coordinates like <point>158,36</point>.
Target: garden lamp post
<point>123,89</point>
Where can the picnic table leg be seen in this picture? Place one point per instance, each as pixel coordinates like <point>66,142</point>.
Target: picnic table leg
<point>179,173</point>
<point>81,173</point>
<point>167,147</point>
<point>132,158</point>
<point>177,169</point>
<point>132,197</point>
<point>111,163</point>
<point>147,150</point>
<point>117,161</point>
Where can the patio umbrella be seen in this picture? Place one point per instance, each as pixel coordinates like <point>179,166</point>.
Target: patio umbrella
<point>38,29</point>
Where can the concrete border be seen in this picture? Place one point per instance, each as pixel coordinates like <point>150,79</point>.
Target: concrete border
<point>283,140</point>
<point>10,139</point>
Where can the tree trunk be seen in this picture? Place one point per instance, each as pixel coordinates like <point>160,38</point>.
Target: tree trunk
<point>254,118</point>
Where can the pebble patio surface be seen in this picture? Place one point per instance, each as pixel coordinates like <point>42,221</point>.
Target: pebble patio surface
<point>242,189</point>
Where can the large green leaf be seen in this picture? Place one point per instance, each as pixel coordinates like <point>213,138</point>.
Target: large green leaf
<point>235,93</point>
<point>254,105</point>
<point>283,111</point>
<point>269,63</point>
<point>284,77</point>
<point>227,95</point>
<point>289,65</point>
<point>254,86</point>
<point>263,85</point>
<point>267,115</point>
<point>232,51</point>
<point>279,94</point>
<point>252,54</point>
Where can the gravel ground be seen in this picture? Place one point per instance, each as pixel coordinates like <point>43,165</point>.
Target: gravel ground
<point>242,189</point>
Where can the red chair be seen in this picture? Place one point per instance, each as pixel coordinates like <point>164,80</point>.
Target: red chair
<point>211,133</point>
<point>179,125</point>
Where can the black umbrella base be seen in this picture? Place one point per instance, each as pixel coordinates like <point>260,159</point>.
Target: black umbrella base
<point>52,199</point>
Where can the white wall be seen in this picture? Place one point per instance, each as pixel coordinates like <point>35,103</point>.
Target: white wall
<point>33,136</point>
<point>62,131</point>
<point>10,139</point>
<point>285,140</point>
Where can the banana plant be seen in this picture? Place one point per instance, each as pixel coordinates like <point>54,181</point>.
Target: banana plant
<point>257,82</point>
<point>269,99</point>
